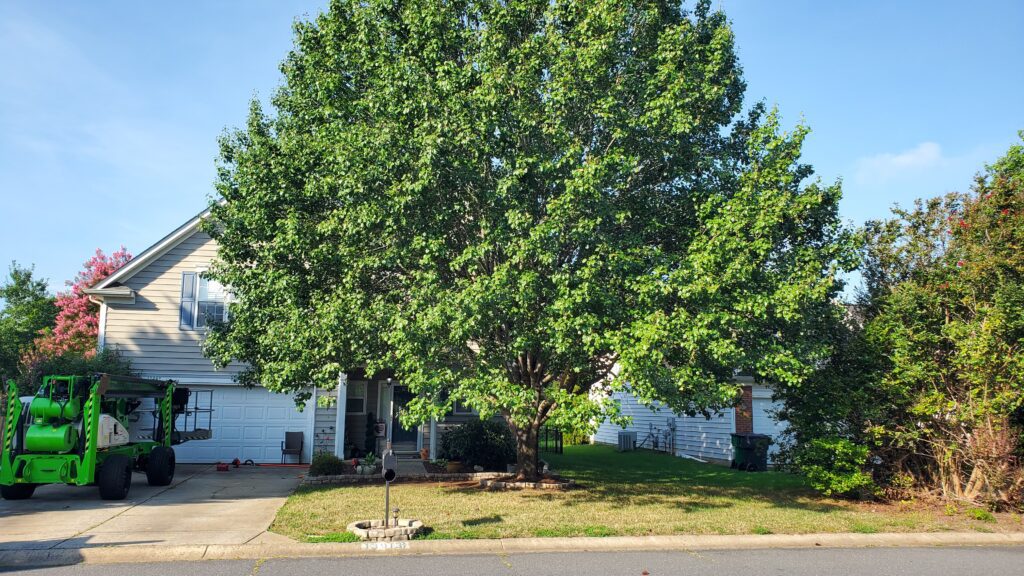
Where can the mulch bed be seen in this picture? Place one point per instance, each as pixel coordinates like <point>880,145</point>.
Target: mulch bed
<point>347,468</point>
<point>434,468</point>
<point>547,482</point>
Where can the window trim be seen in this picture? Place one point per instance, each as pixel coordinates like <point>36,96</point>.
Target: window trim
<point>464,412</point>
<point>364,385</point>
<point>193,302</point>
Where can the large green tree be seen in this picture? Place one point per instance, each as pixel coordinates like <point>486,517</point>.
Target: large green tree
<point>27,309</point>
<point>521,205</point>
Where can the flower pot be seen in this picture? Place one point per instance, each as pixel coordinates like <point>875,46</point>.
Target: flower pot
<point>454,467</point>
<point>425,454</point>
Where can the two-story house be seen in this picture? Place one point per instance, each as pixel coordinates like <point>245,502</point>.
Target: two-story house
<point>155,309</point>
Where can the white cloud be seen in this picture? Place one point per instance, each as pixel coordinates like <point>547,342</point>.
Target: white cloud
<point>881,168</point>
<point>880,181</point>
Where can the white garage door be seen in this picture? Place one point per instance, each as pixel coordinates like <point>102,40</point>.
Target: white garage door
<point>765,422</point>
<point>247,424</point>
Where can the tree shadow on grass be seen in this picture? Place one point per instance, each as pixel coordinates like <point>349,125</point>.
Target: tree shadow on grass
<point>632,479</point>
<point>492,519</point>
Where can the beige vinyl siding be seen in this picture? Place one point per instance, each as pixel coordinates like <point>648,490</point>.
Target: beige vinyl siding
<point>147,331</point>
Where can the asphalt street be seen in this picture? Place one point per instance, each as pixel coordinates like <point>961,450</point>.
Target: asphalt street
<point>844,562</point>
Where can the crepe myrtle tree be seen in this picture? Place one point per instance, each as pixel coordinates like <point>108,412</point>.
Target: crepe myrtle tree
<point>521,206</point>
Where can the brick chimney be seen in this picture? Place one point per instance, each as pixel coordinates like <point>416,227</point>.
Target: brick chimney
<point>745,412</point>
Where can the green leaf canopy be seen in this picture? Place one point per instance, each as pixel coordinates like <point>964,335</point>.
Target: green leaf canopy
<point>522,205</point>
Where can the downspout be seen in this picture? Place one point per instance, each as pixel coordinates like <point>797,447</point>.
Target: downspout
<point>101,335</point>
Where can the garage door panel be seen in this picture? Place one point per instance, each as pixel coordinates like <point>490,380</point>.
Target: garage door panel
<point>248,424</point>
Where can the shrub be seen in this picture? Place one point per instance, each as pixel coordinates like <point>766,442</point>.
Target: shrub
<point>834,466</point>
<point>981,514</point>
<point>575,438</point>
<point>483,443</point>
<point>109,360</point>
<point>326,464</point>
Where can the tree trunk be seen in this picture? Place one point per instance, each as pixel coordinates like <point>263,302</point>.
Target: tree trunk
<point>527,465</point>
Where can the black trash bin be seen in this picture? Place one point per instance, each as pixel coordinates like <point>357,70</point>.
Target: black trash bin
<point>750,451</point>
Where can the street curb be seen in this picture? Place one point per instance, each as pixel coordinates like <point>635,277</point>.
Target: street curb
<point>150,553</point>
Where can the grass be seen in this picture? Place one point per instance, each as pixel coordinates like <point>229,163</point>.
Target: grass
<point>632,493</point>
<point>332,537</point>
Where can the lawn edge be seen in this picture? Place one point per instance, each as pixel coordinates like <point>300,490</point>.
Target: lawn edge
<point>133,553</point>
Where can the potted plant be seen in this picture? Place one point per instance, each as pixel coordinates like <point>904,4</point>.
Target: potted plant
<point>370,463</point>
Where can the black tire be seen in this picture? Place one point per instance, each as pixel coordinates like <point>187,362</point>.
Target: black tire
<point>17,491</point>
<point>160,466</point>
<point>115,477</point>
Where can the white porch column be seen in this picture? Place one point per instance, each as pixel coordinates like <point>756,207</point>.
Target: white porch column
<point>419,437</point>
<point>433,439</point>
<point>391,409</point>
<point>310,445</point>
<point>339,421</point>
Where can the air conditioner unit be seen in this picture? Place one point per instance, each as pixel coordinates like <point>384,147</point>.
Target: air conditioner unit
<point>627,440</point>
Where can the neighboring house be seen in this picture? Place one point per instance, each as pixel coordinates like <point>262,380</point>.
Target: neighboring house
<point>154,310</point>
<point>698,437</point>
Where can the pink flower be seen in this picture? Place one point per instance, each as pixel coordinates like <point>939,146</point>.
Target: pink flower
<point>77,325</point>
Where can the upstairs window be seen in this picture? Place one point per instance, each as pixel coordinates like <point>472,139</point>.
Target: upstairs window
<point>202,301</point>
<point>212,303</point>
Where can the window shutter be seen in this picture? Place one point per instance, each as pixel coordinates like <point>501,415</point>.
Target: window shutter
<point>188,299</point>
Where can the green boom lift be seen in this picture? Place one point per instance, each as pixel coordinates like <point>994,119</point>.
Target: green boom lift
<point>76,431</point>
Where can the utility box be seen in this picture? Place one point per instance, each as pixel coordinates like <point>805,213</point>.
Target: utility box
<point>750,452</point>
<point>627,440</point>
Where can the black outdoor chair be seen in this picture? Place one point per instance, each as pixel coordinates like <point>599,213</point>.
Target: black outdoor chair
<point>292,445</point>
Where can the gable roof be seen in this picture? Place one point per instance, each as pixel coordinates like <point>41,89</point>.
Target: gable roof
<point>111,285</point>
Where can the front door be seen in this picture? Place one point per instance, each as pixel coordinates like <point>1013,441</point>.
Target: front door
<point>400,435</point>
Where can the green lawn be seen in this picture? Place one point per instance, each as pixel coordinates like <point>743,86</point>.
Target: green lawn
<point>630,493</point>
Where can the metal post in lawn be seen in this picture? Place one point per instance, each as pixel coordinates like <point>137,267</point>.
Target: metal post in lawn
<point>389,464</point>
<point>389,469</point>
<point>387,498</point>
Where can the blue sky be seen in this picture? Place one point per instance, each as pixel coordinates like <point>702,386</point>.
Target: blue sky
<point>110,110</point>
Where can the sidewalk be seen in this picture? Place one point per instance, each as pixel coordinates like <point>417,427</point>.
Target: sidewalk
<point>149,553</point>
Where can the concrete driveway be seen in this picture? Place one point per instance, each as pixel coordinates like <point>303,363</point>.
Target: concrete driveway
<point>202,506</point>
